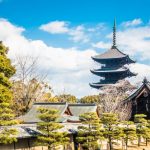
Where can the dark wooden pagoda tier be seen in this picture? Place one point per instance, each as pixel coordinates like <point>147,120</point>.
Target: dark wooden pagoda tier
<point>120,72</point>
<point>113,64</point>
<point>113,55</point>
<point>139,100</point>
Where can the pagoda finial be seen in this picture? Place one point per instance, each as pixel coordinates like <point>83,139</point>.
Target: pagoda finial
<point>114,34</point>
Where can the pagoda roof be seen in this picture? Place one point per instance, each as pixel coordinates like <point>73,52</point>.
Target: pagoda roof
<point>98,85</point>
<point>112,53</point>
<point>111,70</point>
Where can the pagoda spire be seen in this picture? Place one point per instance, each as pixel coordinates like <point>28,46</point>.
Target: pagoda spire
<point>114,34</point>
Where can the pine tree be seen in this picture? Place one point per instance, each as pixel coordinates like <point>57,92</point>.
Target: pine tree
<point>90,132</point>
<point>148,132</point>
<point>49,127</point>
<point>6,114</point>
<point>111,129</point>
<point>129,132</point>
<point>142,130</point>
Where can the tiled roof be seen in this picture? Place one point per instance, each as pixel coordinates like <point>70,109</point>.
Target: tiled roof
<point>32,115</point>
<point>137,91</point>
<point>75,109</point>
<point>111,53</point>
<point>78,109</point>
<point>30,130</point>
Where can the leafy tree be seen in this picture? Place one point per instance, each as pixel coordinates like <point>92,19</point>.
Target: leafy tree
<point>142,130</point>
<point>47,97</point>
<point>49,127</point>
<point>28,84</point>
<point>66,98</point>
<point>90,132</point>
<point>25,93</point>
<point>129,132</point>
<point>6,113</point>
<point>90,99</point>
<point>111,129</point>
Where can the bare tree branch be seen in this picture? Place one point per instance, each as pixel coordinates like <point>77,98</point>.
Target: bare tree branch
<point>29,85</point>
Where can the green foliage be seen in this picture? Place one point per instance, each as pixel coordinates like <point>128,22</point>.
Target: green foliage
<point>49,127</point>
<point>7,136</point>
<point>142,128</point>
<point>129,132</point>
<point>90,132</point>
<point>26,93</point>
<point>66,98</point>
<point>6,114</point>
<point>90,99</point>
<point>111,129</point>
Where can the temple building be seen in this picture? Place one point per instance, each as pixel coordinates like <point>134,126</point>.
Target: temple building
<point>69,118</point>
<point>138,101</point>
<point>113,65</point>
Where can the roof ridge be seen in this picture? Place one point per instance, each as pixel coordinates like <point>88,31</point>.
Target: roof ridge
<point>82,104</point>
<point>46,103</point>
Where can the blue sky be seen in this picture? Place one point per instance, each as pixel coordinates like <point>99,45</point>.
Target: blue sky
<point>64,34</point>
<point>32,13</point>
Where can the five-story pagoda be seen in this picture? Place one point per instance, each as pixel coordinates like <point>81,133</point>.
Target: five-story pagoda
<point>113,66</point>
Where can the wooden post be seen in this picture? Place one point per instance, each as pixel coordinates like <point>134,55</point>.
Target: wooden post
<point>28,143</point>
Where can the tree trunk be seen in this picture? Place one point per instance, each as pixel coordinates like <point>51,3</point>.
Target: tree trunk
<point>110,144</point>
<point>14,145</point>
<point>139,140</point>
<point>49,148</point>
<point>126,144</point>
<point>146,141</point>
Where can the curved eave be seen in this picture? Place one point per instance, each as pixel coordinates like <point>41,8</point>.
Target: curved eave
<point>96,86</point>
<point>131,74</point>
<point>130,61</point>
<point>100,73</point>
<point>106,59</point>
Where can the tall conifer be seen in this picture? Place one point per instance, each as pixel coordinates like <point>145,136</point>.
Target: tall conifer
<point>6,114</point>
<point>90,132</point>
<point>50,136</point>
<point>142,129</point>
<point>129,132</point>
<point>111,129</point>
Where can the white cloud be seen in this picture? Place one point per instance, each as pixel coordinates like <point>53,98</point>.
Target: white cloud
<point>77,34</point>
<point>55,27</point>
<point>142,71</point>
<point>102,45</point>
<point>135,41</point>
<point>132,23</point>
<point>67,69</point>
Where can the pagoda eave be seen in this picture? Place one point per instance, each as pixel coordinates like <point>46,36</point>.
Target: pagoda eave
<point>103,73</point>
<point>131,74</point>
<point>101,60</point>
<point>96,86</point>
<point>130,61</point>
